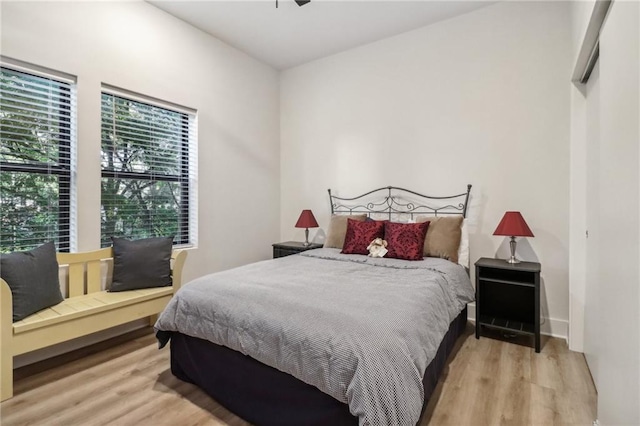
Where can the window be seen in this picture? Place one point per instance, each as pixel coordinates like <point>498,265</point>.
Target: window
<point>36,125</point>
<point>148,161</point>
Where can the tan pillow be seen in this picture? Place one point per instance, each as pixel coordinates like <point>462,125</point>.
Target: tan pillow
<point>443,237</point>
<point>338,229</point>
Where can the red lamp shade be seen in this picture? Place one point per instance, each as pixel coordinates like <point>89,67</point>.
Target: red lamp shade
<point>513,225</point>
<point>306,220</point>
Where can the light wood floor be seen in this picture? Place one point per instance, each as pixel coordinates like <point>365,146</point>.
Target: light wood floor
<point>128,382</point>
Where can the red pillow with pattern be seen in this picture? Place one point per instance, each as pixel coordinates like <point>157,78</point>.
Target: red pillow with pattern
<point>405,240</point>
<point>360,234</point>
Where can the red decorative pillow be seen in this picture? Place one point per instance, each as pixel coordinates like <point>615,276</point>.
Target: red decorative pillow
<point>406,240</point>
<point>360,234</point>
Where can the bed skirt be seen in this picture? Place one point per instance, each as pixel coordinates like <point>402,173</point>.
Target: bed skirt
<point>266,396</point>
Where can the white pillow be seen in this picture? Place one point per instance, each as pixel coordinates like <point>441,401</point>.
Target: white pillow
<point>463,249</point>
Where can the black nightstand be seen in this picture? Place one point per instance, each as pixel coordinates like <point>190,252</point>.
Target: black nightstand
<point>508,297</point>
<point>292,247</point>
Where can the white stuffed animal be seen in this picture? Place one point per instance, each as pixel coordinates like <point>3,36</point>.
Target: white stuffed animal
<point>377,248</point>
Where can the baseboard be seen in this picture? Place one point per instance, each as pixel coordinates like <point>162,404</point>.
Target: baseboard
<point>549,326</point>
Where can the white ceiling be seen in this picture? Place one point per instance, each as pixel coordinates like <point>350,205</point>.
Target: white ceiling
<point>291,35</point>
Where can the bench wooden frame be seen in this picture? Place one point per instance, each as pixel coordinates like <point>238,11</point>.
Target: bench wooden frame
<point>86,310</point>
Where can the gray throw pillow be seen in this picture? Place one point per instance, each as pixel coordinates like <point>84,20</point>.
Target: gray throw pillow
<point>141,263</point>
<point>33,278</point>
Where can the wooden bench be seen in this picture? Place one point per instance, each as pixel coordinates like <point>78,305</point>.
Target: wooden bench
<point>86,309</point>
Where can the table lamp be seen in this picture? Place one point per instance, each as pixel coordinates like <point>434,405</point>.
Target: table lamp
<point>306,220</point>
<point>513,225</point>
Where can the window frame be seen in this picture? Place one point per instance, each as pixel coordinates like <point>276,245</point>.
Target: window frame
<point>64,168</point>
<point>185,235</point>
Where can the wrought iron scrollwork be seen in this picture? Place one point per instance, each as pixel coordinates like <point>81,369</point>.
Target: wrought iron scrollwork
<point>392,200</point>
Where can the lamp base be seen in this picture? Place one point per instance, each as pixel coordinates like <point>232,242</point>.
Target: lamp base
<point>512,246</point>
<point>306,237</point>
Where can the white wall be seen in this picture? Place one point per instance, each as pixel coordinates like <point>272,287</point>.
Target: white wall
<point>135,46</point>
<point>482,98</point>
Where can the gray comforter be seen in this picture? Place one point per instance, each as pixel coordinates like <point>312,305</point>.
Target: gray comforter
<point>360,329</point>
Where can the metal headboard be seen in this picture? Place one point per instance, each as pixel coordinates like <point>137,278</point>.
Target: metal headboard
<point>392,201</point>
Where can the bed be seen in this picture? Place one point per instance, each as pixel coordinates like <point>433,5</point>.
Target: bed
<point>325,337</point>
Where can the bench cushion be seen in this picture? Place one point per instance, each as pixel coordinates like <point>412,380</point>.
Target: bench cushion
<point>87,305</point>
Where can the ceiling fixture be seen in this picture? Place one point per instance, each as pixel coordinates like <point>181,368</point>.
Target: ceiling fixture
<point>298,2</point>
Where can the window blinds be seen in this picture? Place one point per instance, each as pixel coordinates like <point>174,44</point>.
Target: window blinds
<point>148,171</point>
<point>37,117</point>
